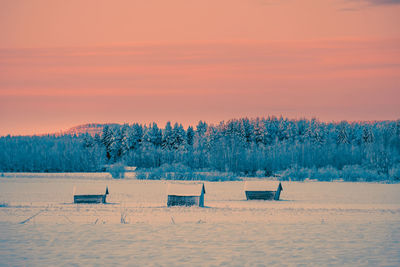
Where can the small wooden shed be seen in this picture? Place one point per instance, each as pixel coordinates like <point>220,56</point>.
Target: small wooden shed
<point>186,195</point>
<point>91,196</point>
<point>130,169</point>
<point>262,190</point>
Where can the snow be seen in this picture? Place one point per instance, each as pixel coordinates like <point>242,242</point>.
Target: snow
<point>94,189</point>
<point>260,186</point>
<point>86,175</point>
<point>315,223</point>
<point>185,189</point>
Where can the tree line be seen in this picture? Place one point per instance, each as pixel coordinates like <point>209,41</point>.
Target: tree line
<point>248,147</point>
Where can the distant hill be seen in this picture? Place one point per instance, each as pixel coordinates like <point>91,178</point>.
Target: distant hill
<point>90,128</point>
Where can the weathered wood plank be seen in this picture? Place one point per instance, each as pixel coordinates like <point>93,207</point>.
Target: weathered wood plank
<point>90,199</point>
<point>263,195</point>
<point>186,195</point>
<point>174,200</point>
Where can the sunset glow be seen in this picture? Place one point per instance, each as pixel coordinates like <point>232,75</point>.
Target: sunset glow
<point>64,63</point>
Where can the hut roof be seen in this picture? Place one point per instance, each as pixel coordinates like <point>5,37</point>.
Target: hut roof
<point>186,189</point>
<point>91,189</point>
<point>260,186</point>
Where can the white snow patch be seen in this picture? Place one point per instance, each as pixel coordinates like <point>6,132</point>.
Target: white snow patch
<point>315,224</point>
<point>94,189</point>
<point>260,185</point>
<point>184,189</point>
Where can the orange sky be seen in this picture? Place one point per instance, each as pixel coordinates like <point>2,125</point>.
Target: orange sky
<point>64,63</point>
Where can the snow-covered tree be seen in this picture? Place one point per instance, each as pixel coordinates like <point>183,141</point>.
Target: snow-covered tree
<point>190,136</point>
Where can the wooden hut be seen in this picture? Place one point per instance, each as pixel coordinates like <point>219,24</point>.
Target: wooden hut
<point>262,190</point>
<point>92,197</point>
<point>130,169</point>
<point>186,195</point>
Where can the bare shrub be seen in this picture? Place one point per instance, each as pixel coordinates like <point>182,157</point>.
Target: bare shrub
<point>117,171</point>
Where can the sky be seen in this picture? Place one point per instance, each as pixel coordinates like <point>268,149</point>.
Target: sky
<point>64,63</point>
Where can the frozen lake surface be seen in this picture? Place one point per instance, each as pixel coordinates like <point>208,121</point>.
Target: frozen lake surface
<point>315,223</point>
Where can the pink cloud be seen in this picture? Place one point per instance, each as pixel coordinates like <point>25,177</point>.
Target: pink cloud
<point>331,79</point>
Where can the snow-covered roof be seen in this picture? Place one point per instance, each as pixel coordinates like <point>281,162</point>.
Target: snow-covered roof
<point>185,189</point>
<point>91,189</point>
<point>261,186</point>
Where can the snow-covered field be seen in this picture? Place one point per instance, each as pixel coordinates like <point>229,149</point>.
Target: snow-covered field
<point>314,224</point>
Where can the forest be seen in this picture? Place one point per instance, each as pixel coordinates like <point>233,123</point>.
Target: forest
<point>274,146</point>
